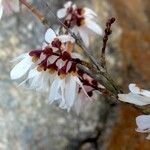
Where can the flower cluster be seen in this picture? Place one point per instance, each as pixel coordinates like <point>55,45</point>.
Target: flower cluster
<point>80,21</point>
<point>54,69</point>
<point>138,97</point>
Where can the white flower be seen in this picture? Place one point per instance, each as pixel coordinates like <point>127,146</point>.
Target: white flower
<point>137,96</point>
<point>80,21</point>
<point>1,9</point>
<point>143,123</point>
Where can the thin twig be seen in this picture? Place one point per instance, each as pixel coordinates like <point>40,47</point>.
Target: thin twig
<point>36,12</point>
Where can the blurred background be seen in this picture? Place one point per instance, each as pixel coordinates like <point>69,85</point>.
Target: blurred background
<point>28,122</point>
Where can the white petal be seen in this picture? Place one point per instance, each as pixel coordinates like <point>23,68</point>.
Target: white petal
<point>89,16</point>
<point>135,89</point>
<point>40,82</point>
<point>21,68</point>
<point>32,74</point>
<point>70,91</point>
<point>63,102</point>
<point>1,11</point>
<point>145,93</point>
<point>19,58</point>
<point>66,38</point>
<point>89,12</point>
<point>61,13</point>
<point>84,36</point>
<point>54,91</point>
<point>49,35</point>
<point>44,83</point>
<point>94,27</point>
<point>134,99</point>
<point>68,4</point>
<point>34,82</point>
<point>143,123</point>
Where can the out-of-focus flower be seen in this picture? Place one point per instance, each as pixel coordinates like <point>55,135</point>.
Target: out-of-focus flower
<point>143,123</point>
<point>137,96</point>
<point>11,6</point>
<point>50,37</point>
<point>80,21</point>
<point>1,9</point>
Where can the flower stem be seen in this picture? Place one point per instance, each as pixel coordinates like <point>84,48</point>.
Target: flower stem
<point>35,11</point>
<point>108,31</point>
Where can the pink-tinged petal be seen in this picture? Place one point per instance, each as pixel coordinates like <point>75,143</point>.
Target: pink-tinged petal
<point>68,4</point>
<point>49,35</point>
<point>143,123</point>
<point>134,99</point>
<point>89,12</point>
<point>61,13</point>
<point>84,36</point>
<point>93,26</point>
<point>81,85</point>
<point>80,102</point>
<point>21,68</point>
<point>52,59</point>
<point>66,38</point>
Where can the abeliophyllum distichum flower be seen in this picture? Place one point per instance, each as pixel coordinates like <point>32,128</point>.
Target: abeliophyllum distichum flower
<point>54,69</point>
<point>139,97</point>
<point>80,21</point>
